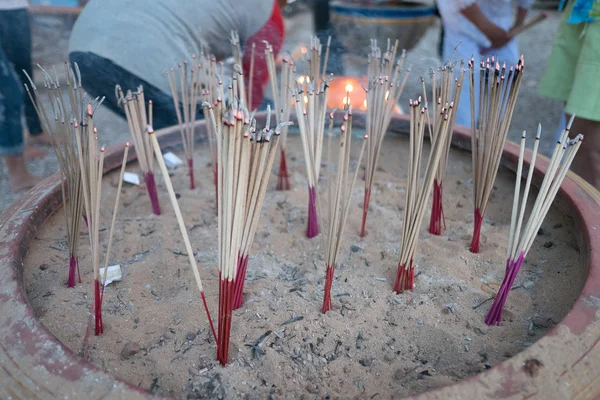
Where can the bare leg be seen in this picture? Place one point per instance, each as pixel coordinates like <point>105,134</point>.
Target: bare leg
<point>18,175</point>
<point>32,153</point>
<point>41,139</point>
<point>587,161</point>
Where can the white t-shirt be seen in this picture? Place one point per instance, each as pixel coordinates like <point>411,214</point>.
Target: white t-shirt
<point>13,4</point>
<point>499,12</point>
<point>147,38</point>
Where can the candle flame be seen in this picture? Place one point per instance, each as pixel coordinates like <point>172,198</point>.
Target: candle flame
<point>305,99</point>
<point>365,104</point>
<point>387,94</point>
<point>349,87</point>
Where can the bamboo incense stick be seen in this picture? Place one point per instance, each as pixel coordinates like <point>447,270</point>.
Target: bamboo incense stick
<point>310,103</point>
<point>263,150</point>
<point>498,93</point>
<point>180,222</point>
<point>339,193</point>
<point>59,123</point>
<point>282,97</point>
<point>137,118</point>
<point>418,195</point>
<point>444,87</point>
<point>520,240</point>
<point>383,91</point>
<point>187,87</point>
<point>92,168</point>
<point>114,218</point>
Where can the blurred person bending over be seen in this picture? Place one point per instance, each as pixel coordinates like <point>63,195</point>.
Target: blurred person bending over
<point>132,43</point>
<point>15,56</point>
<point>479,25</point>
<point>573,76</point>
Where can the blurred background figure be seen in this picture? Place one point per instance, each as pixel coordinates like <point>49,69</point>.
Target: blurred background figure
<point>15,56</point>
<point>573,76</point>
<point>471,26</point>
<point>324,30</point>
<point>131,44</point>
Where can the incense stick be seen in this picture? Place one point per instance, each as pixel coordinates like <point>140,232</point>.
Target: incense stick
<point>282,97</point>
<point>443,87</point>
<point>92,167</point>
<point>339,194</point>
<point>520,240</point>
<point>262,155</point>
<point>418,195</point>
<point>137,118</point>
<point>114,218</point>
<point>497,98</point>
<point>187,87</point>
<point>310,103</point>
<point>180,222</point>
<point>383,91</point>
<point>58,122</point>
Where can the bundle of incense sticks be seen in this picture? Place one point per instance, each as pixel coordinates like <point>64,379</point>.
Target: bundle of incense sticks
<point>497,98</point>
<point>138,119</point>
<point>187,88</point>
<point>520,240</point>
<point>417,196</point>
<point>180,222</point>
<point>263,148</point>
<point>310,103</point>
<point>442,90</point>
<point>383,92</point>
<point>339,195</point>
<point>92,168</point>
<point>282,97</point>
<point>211,82</point>
<point>59,125</point>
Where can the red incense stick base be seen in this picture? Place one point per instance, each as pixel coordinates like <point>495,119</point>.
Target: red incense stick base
<point>478,220</point>
<point>327,293</point>
<point>191,171</point>
<point>512,269</point>
<point>405,278</point>
<point>283,182</point>
<point>97,308</point>
<point>312,228</point>
<point>210,321</point>
<point>239,281</point>
<point>437,222</point>
<point>225,310</point>
<point>366,201</point>
<point>151,187</point>
<point>73,268</point>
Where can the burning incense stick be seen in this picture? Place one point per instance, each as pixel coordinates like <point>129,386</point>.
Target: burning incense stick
<point>59,125</point>
<point>520,240</point>
<point>339,195</point>
<point>310,103</point>
<point>262,155</point>
<point>497,98</point>
<point>383,92</point>
<point>135,110</point>
<point>180,222</point>
<point>417,196</point>
<point>282,97</point>
<point>442,90</point>
<point>188,90</point>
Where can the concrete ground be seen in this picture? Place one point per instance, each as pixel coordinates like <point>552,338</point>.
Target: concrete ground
<point>50,35</point>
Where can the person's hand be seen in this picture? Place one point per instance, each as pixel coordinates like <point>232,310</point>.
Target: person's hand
<point>497,36</point>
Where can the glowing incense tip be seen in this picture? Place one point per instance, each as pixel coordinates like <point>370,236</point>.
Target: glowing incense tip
<point>102,149</point>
